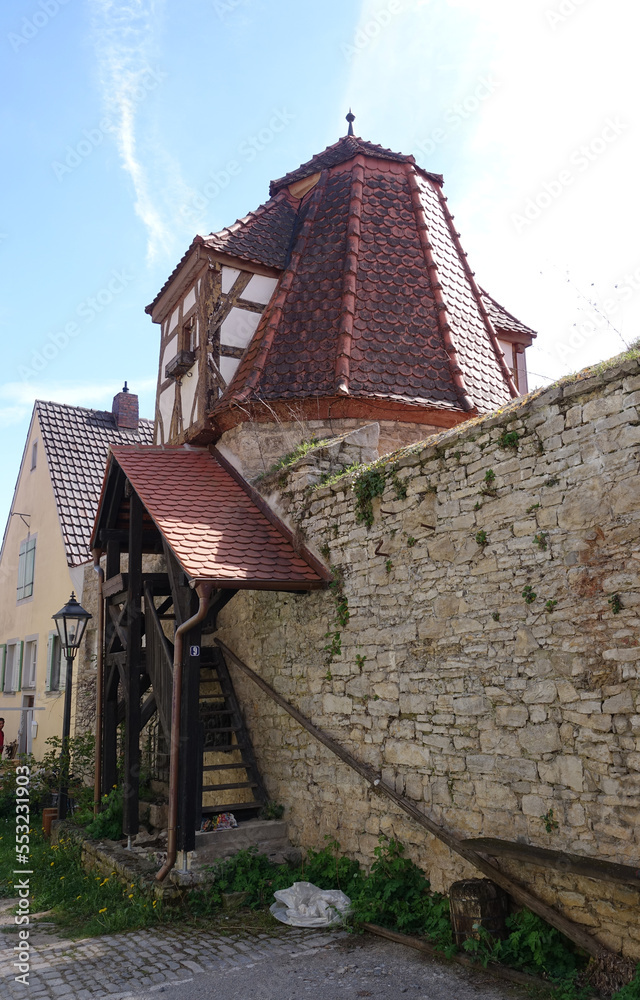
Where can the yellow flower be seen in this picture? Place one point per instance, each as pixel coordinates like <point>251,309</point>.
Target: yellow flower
<point>52,864</point>
<point>61,877</point>
<point>78,897</point>
<point>103,910</point>
<point>130,895</point>
<point>155,902</point>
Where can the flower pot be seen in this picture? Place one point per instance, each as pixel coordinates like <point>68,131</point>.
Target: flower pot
<point>48,815</point>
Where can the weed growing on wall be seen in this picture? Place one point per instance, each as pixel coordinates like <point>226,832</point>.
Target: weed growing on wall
<point>368,485</point>
<point>615,603</point>
<point>333,647</point>
<point>509,439</point>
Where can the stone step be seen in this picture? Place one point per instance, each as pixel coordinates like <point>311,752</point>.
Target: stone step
<point>268,835</point>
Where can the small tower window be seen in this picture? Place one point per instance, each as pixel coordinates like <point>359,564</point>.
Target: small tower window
<point>34,455</point>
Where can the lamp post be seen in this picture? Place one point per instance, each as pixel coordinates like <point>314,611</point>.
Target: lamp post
<point>71,621</point>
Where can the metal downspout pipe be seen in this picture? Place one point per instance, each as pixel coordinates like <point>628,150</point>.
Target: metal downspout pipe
<point>97,780</point>
<point>203,591</point>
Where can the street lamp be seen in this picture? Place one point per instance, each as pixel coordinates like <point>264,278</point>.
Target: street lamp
<point>71,622</point>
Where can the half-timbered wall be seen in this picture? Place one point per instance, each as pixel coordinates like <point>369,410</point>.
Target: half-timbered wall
<point>214,321</point>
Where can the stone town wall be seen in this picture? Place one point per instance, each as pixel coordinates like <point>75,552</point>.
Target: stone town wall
<point>487,707</point>
<point>255,446</point>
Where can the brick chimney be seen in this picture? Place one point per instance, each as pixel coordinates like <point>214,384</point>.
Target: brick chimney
<point>125,410</point>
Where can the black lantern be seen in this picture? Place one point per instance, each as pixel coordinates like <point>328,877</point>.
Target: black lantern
<point>71,622</point>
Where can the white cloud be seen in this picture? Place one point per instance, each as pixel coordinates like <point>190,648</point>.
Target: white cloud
<point>125,38</point>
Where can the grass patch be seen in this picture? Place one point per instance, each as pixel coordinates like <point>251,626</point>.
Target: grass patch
<point>293,456</point>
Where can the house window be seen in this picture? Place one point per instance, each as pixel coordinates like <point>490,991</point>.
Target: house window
<point>29,663</point>
<point>56,665</point>
<point>12,666</point>
<point>188,338</point>
<point>26,567</point>
<point>34,454</point>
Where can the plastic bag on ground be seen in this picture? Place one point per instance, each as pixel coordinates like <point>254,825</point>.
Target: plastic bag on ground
<point>305,905</point>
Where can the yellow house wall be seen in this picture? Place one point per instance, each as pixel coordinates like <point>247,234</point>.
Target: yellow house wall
<point>53,582</point>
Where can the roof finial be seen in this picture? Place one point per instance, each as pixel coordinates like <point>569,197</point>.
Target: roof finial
<point>125,388</point>
<point>350,118</point>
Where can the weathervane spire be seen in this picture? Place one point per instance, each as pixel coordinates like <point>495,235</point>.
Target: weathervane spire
<point>350,118</point>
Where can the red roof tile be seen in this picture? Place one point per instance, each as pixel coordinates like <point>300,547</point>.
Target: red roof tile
<point>76,441</point>
<point>212,522</point>
<point>344,149</point>
<point>377,302</point>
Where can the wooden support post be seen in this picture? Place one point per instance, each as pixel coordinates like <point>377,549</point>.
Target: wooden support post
<point>190,765</point>
<point>132,668</point>
<point>110,729</point>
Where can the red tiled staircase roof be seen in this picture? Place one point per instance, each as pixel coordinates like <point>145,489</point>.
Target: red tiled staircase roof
<point>217,527</point>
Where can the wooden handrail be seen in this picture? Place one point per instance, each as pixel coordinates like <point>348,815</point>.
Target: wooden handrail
<point>521,895</point>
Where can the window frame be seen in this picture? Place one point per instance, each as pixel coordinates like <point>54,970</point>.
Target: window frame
<point>30,667</point>
<point>16,666</point>
<point>54,684</point>
<point>26,568</point>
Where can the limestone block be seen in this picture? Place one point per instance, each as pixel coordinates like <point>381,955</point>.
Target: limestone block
<point>332,705</point>
<point>474,704</point>
<point>525,643</point>
<point>492,795</point>
<point>540,739</point>
<point>620,704</point>
<point>481,763</point>
<point>407,754</point>
<point>512,715</point>
<point>533,805</point>
<point>540,693</point>
<point>564,770</point>
<point>585,506</point>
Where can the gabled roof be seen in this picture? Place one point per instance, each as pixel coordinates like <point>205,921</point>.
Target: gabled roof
<point>76,442</point>
<point>504,321</point>
<point>218,528</point>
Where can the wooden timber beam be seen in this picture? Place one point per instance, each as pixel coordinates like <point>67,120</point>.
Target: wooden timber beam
<point>573,931</point>
<point>135,620</point>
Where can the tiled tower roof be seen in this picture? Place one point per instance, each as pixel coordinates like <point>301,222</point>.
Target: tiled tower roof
<point>376,300</point>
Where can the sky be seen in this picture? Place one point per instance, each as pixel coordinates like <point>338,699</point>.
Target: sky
<point>121,121</point>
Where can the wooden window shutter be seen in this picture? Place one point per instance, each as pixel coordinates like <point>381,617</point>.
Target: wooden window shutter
<point>50,645</point>
<point>20,655</point>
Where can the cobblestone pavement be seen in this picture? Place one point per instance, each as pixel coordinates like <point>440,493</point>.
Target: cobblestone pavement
<point>173,963</point>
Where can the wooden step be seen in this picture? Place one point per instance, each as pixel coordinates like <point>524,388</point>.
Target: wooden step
<point>231,807</point>
<point>222,767</point>
<point>237,784</point>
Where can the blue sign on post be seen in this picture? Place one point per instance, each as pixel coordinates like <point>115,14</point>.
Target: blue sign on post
<point>194,650</point>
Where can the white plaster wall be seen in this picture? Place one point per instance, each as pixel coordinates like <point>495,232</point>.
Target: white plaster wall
<point>260,289</point>
<point>229,275</point>
<point>189,384</point>
<point>239,327</point>
<point>228,368</point>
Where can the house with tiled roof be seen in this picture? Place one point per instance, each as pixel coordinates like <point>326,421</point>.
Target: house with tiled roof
<point>346,297</point>
<point>344,307</point>
<point>45,555</point>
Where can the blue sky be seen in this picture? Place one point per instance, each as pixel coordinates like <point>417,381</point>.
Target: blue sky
<point>120,120</point>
